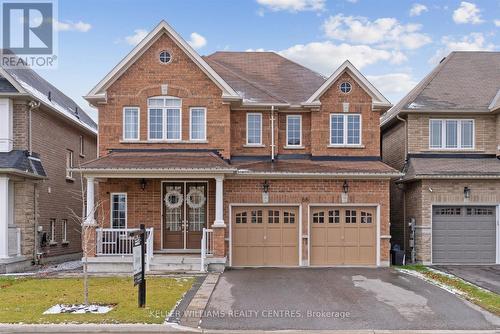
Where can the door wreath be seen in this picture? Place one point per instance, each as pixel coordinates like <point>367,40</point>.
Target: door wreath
<point>195,199</point>
<point>173,199</point>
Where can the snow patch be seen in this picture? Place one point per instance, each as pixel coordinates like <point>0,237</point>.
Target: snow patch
<point>78,309</point>
<point>414,105</point>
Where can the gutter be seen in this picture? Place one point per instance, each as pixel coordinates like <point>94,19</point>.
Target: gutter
<point>450,177</point>
<point>288,175</point>
<point>18,172</point>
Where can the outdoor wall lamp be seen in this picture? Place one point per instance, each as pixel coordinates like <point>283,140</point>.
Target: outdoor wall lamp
<point>143,184</point>
<point>345,187</point>
<point>265,186</point>
<point>466,192</point>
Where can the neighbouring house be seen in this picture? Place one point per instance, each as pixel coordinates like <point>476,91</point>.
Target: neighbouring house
<point>445,137</point>
<point>245,157</point>
<point>42,134</point>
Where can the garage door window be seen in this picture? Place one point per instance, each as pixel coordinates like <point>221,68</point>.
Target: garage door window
<point>241,218</point>
<point>479,212</point>
<point>273,217</point>
<point>257,217</point>
<point>318,218</point>
<point>350,216</point>
<point>448,212</point>
<point>334,216</point>
<point>288,217</point>
<point>366,217</point>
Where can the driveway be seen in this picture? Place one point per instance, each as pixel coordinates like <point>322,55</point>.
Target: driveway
<point>485,276</point>
<point>336,298</point>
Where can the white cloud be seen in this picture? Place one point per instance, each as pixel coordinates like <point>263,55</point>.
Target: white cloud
<point>497,23</point>
<point>386,32</point>
<point>418,9</point>
<point>352,1</point>
<point>255,50</point>
<point>72,26</point>
<point>137,37</point>
<point>467,13</point>
<point>472,42</point>
<point>197,41</point>
<point>393,83</point>
<point>325,57</point>
<point>293,5</point>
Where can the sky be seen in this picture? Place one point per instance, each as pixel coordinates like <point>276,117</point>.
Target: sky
<point>394,43</point>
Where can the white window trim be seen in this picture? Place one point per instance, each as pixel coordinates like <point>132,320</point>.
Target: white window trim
<point>111,209</point>
<point>345,134</point>
<point>64,226</point>
<point>71,155</point>
<point>259,144</point>
<point>164,139</point>
<point>191,124</point>
<point>300,138</point>
<point>138,124</point>
<point>82,146</point>
<point>52,227</point>
<point>459,135</point>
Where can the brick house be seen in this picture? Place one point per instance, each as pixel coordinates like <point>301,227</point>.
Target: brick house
<point>42,133</point>
<point>445,137</point>
<point>265,162</point>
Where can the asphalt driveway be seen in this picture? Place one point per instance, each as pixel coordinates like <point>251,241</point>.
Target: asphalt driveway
<point>336,298</point>
<point>485,276</point>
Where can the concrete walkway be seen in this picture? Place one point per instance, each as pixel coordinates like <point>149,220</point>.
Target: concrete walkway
<point>485,276</point>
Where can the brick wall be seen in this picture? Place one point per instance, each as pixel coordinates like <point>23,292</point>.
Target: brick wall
<point>418,132</point>
<point>498,135</point>
<point>184,79</point>
<point>306,134</point>
<point>58,198</point>
<point>311,191</point>
<point>26,194</point>
<point>331,102</point>
<point>20,124</point>
<point>239,130</point>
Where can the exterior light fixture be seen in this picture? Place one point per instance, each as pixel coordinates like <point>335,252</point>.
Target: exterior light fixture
<point>345,187</point>
<point>265,192</point>
<point>466,192</point>
<point>265,186</point>
<point>143,184</point>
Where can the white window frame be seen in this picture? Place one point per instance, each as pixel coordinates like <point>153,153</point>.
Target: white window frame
<point>52,228</point>
<point>191,123</point>
<point>345,132</point>
<point>64,225</point>
<point>300,132</point>
<point>138,110</point>
<point>261,120</point>
<point>70,160</point>
<point>111,208</point>
<point>82,146</point>
<point>164,119</point>
<point>459,134</point>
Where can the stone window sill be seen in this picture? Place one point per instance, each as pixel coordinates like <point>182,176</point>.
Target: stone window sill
<point>293,147</point>
<point>52,243</point>
<point>70,179</point>
<point>346,146</point>
<point>254,145</point>
<point>162,141</point>
<point>65,243</point>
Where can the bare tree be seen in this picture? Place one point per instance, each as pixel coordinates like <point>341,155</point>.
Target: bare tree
<point>87,224</point>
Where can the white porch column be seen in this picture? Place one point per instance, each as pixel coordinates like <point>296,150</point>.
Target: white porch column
<point>4,217</point>
<point>219,202</point>
<point>90,202</point>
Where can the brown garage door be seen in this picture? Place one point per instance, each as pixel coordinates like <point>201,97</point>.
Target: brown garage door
<point>343,236</point>
<point>265,236</point>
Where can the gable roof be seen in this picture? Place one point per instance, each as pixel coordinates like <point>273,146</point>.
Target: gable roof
<point>465,81</point>
<point>265,77</point>
<point>347,66</point>
<point>27,82</point>
<point>98,93</point>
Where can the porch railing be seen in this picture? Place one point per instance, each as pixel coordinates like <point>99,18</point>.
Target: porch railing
<point>118,241</point>
<point>14,241</point>
<point>207,246</point>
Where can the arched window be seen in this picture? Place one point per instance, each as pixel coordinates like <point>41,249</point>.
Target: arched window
<point>165,118</point>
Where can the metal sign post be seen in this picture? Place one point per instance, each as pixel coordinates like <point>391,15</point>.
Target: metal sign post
<point>139,250</point>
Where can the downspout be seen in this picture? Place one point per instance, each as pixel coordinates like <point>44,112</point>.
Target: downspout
<point>32,106</point>
<point>272,134</point>
<point>405,225</point>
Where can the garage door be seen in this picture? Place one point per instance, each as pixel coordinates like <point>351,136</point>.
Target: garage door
<point>463,234</point>
<point>265,236</point>
<point>343,236</point>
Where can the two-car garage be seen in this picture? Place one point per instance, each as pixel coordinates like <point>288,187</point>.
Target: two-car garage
<point>269,235</point>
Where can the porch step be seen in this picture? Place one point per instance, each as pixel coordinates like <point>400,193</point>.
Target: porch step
<point>175,263</point>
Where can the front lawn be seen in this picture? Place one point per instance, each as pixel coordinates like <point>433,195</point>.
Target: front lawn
<point>25,299</point>
<point>486,299</point>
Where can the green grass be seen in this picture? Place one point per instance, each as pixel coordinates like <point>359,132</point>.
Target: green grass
<point>486,299</point>
<point>25,299</point>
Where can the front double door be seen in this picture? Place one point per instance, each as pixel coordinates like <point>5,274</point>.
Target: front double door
<point>184,214</point>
